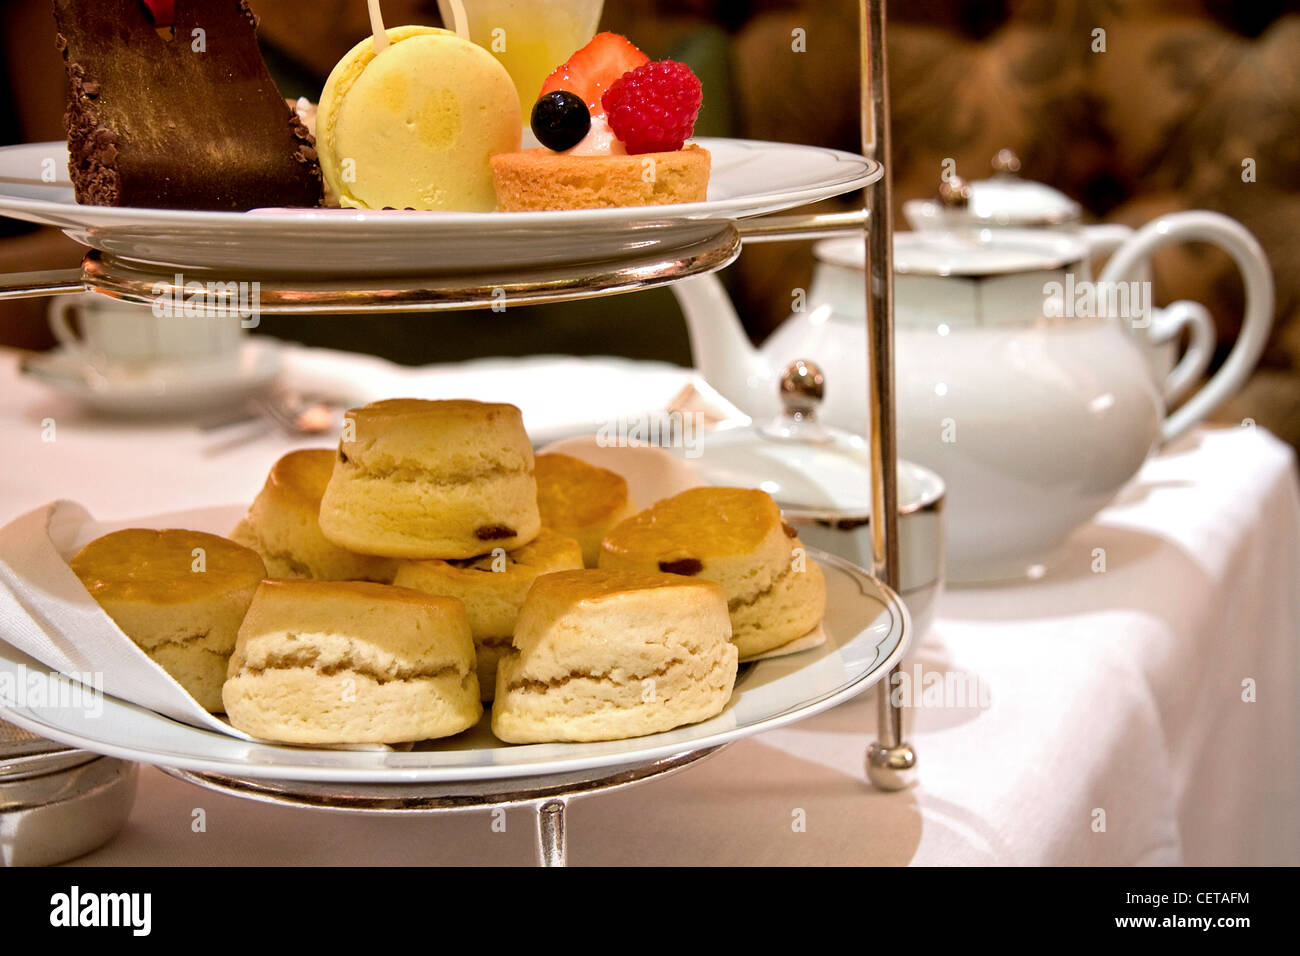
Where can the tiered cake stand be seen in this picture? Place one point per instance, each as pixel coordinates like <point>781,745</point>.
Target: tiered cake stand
<point>708,247</point>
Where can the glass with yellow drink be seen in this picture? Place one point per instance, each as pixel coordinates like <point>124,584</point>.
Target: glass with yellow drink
<point>529,37</point>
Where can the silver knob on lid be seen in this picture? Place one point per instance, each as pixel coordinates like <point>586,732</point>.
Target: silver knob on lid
<point>1006,161</point>
<point>803,386</point>
<point>954,192</point>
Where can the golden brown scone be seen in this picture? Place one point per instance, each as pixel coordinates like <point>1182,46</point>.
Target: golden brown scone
<point>425,479</point>
<point>351,662</point>
<point>734,536</point>
<point>179,595</point>
<point>580,500</point>
<point>493,588</point>
<point>537,179</point>
<point>283,525</point>
<point>604,655</point>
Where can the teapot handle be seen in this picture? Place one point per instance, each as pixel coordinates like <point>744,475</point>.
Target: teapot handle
<point>1105,237</point>
<point>1236,240</point>
<point>1167,325</point>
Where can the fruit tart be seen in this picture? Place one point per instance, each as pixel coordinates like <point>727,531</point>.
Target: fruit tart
<point>614,127</point>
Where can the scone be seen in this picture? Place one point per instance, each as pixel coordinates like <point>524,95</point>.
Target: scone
<point>734,536</point>
<point>537,179</point>
<point>179,595</point>
<point>492,588</point>
<point>580,500</point>
<point>424,479</point>
<point>324,662</point>
<point>283,525</point>
<point>604,655</point>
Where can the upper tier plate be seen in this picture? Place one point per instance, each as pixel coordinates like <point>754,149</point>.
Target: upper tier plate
<point>749,178</point>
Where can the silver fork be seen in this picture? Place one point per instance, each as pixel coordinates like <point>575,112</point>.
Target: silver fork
<point>295,414</point>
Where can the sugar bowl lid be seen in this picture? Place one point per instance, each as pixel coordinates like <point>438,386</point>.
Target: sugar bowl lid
<point>809,468</point>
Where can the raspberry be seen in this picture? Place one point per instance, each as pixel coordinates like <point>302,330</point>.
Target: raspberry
<point>653,108</point>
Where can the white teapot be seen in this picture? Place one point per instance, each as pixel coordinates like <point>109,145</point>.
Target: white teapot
<point>1006,200</point>
<point>1027,387</point>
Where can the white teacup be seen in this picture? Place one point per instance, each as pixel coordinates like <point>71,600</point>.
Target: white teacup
<point>118,334</point>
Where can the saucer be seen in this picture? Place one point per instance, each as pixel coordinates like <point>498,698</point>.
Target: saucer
<point>170,390</point>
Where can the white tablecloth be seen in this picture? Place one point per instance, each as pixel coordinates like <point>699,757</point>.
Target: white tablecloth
<point>1112,697</point>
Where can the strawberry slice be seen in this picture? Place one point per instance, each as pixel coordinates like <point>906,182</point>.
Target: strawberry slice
<point>595,68</point>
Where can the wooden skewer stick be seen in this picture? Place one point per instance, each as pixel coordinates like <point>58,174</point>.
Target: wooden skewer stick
<point>459,19</point>
<point>377,26</point>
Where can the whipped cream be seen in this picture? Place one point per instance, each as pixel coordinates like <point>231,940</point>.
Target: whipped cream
<point>599,141</point>
<point>306,111</point>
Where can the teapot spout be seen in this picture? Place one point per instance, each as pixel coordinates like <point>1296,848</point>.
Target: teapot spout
<point>720,348</point>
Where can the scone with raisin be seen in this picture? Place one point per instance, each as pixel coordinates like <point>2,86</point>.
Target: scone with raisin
<point>431,479</point>
<point>736,537</point>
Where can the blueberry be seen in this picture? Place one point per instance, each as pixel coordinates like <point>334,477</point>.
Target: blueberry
<point>560,120</point>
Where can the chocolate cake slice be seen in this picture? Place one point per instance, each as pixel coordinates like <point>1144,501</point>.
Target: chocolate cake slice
<point>190,122</point>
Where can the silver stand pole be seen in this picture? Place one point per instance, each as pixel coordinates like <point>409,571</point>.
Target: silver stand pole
<point>551,850</point>
<point>890,760</point>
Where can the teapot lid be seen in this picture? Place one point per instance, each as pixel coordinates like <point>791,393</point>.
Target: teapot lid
<point>1004,199</point>
<point>1007,199</point>
<point>805,466</point>
<point>963,252</point>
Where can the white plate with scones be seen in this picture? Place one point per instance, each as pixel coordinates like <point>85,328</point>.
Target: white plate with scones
<point>866,630</point>
<point>749,178</point>
<point>432,601</point>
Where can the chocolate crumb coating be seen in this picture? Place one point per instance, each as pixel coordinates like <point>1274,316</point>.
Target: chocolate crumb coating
<point>156,122</point>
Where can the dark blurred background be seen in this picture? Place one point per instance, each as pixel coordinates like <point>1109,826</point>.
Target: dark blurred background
<point>1159,122</point>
